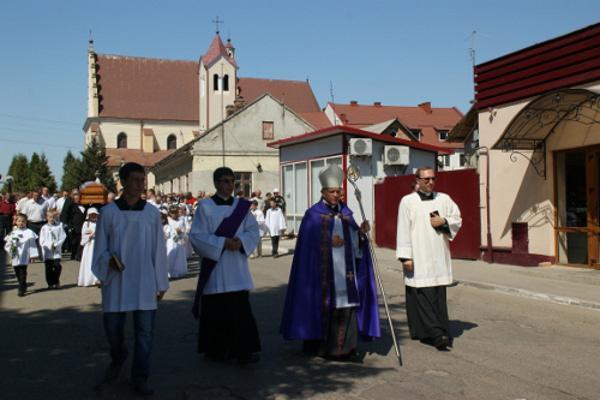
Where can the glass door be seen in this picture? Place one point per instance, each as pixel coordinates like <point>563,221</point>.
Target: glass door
<point>578,207</point>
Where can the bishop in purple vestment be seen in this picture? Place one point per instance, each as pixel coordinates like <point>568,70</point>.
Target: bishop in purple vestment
<point>331,300</point>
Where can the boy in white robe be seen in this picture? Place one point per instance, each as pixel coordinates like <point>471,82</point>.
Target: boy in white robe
<point>175,233</point>
<point>427,221</point>
<point>130,260</point>
<point>185,217</point>
<point>224,234</point>
<point>88,234</point>
<point>262,227</point>
<point>275,222</point>
<point>52,237</point>
<point>21,245</point>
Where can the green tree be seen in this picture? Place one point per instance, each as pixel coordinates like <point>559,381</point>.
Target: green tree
<point>40,173</point>
<point>70,179</point>
<point>45,174</point>
<point>93,165</point>
<point>34,167</point>
<point>19,170</point>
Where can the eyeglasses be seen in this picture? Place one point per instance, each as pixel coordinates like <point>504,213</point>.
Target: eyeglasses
<point>431,178</point>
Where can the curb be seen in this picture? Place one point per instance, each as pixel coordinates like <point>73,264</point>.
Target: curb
<point>552,298</point>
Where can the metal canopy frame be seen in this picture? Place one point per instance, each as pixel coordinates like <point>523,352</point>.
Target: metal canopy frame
<point>526,134</point>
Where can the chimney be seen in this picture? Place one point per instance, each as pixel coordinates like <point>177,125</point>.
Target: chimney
<point>426,106</point>
<point>239,102</point>
<point>353,102</point>
<point>229,110</point>
<point>377,104</point>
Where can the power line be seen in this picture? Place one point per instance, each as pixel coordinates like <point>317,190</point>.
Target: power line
<point>25,130</point>
<point>28,118</point>
<point>39,143</point>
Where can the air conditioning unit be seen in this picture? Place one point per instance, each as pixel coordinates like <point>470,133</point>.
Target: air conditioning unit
<point>361,147</point>
<point>396,155</point>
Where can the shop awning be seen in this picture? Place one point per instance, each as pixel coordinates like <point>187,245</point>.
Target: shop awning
<point>530,128</point>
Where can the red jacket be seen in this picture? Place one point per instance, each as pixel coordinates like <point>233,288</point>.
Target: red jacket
<point>7,208</point>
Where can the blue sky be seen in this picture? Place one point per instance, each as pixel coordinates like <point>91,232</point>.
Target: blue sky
<point>397,52</point>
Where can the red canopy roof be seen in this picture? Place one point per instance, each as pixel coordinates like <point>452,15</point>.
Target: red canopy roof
<point>341,129</point>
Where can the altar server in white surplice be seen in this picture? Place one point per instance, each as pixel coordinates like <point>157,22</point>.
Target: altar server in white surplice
<point>427,221</point>
<point>224,233</point>
<point>21,246</point>
<point>88,233</point>
<point>176,235</point>
<point>130,260</point>
<point>275,223</point>
<point>52,237</point>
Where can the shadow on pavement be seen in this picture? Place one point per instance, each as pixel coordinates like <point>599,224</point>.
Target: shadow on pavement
<point>62,353</point>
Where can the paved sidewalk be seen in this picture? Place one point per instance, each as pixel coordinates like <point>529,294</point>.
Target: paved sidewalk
<point>563,285</point>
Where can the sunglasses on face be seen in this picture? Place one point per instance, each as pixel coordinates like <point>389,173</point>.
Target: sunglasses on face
<point>432,179</point>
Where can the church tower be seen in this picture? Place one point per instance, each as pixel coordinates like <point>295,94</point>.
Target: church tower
<point>217,82</point>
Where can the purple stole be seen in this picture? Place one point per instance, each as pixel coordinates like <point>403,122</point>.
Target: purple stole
<point>227,228</point>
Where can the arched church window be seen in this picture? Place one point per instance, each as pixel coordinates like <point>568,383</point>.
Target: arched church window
<point>215,82</point>
<point>226,83</point>
<point>122,141</point>
<point>171,142</point>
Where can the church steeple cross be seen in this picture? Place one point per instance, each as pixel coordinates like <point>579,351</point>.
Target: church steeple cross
<point>217,22</point>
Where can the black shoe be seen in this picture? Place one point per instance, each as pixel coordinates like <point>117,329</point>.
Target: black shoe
<point>112,373</point>
<point>21,294</point>
<point>441,342</point>
<point>250,358</point>
<point>142,388</point>
<point>217,358</point>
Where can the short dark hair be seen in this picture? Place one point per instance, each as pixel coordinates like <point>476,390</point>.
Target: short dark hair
<point>128,168</point>
<point>419,170</point>
<point>222,172</point>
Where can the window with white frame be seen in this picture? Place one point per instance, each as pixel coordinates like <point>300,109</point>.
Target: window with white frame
<point>443,135</point>
<point>243,183</point>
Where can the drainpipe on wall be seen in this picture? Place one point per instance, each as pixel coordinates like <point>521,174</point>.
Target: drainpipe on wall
<point>487,202</point>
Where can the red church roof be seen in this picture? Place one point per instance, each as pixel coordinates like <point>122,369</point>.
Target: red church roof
<point>147,88</point>
<point>215,50</point>
<point>157,89</point>
<point>429,120</point>
<point>297,95</point>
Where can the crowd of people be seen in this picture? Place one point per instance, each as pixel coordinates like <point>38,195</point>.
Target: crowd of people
<point>139,240</point>
<point>62,227</point>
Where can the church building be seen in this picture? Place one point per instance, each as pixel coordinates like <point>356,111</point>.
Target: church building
<point>183,119</point>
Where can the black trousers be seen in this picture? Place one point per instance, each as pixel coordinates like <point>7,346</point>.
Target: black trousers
<point>5,226</point>
<point>342,335</point>
<point>53,270</point>
<point>227,326</point>
<point>275,245</point>
<point>75,245</point>
<point>427,312</point>
<point>21,274</point>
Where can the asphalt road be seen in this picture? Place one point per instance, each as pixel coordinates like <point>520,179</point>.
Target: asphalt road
<point>506,347</point>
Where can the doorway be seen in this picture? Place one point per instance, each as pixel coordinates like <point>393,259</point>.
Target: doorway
<point>577,233</point>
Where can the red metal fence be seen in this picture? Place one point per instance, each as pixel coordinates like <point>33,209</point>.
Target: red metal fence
<point>462,185</point>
